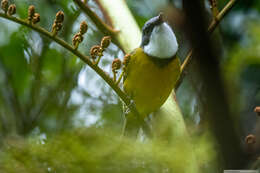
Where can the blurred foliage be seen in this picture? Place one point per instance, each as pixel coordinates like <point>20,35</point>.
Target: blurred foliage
<point>44,85</point>
<point>57,115</point>
<point>242,74</point>
<point>92,150</point>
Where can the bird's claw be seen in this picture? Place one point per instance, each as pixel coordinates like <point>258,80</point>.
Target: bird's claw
<point>129,107</point>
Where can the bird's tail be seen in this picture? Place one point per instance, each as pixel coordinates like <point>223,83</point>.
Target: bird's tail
<point>131,126</point>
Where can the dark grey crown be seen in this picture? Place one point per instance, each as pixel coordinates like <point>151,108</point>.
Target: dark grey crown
<point>148,28</point>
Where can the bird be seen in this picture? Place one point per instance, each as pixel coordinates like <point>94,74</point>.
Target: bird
<point>151,71</point>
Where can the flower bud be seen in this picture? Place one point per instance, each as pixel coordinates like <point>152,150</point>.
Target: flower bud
<point>78,38</point>
<point>31,11</point>
<point>116,64</point>
<point>250,139</point>
<point>257,110</point>
<point>95,51</point>
<point>83,27</point>
<point>36,18</point>
<point>56,26</point>
<point>59,17</point>
<point>4,5</point>
<point>11,9</point>
<point>126,59</point>
<point>105,42</point>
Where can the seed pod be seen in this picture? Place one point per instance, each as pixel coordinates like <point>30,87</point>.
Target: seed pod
<point>250,139</point>
<point>58,26</point>
<point>116,64</point>
<point>4,5</point>
<point>78,38</point>
<point>105,42</point>
<point>36,18</point>
<point>95,51</point>
<point>59,17</point>
<point>31,11</point>
<point>213,3</point>
<point>257,110</point>
<point>83,27</point>
<point>126,59</point>
<point>11,9</point>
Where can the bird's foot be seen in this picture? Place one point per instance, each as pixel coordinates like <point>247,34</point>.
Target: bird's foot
<point>130,107</point>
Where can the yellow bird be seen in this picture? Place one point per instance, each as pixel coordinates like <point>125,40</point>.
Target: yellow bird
<point>153,68</point>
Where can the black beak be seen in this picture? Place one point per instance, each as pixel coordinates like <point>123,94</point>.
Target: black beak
<point>160,18</point>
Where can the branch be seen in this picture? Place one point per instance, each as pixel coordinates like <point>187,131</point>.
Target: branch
<point>102,26</point>
<point>215,106</point>
<point>213,25</point>
<point>106,29</point>
<point>84,58</point>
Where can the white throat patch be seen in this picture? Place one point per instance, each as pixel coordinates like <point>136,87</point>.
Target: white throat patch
<point>163,43</point>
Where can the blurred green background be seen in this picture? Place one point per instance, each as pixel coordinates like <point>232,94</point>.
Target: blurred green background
<point>49,96</point>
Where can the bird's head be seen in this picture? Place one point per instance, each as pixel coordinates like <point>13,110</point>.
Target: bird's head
<point>158,38</point>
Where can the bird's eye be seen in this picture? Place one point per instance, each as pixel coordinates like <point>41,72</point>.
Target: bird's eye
<point>146,31</point>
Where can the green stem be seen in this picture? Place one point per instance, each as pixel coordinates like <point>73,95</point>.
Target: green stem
<point>97,62</point>
<point>76,45</point>
<point>114,76</point>
<point>214,7</point>
<point>120,78</point>
<point>54,32</point>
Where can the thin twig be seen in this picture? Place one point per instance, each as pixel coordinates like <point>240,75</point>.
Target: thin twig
<point>114,76</point>
<point>97,62</point>
<point>84,58</point>
<point>214,7</point>
<point>120,78</point>
<point>214,23</point>
<point>215,106</point>
<point>102,26</point>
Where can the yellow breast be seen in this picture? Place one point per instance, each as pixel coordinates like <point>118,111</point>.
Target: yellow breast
<point>148,83</point>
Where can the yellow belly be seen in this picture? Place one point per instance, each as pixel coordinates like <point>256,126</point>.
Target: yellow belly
<point>148,83</point>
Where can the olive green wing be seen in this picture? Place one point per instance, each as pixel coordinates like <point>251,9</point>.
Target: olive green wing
<point>128,60</point>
